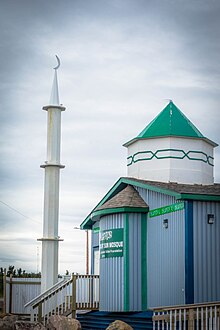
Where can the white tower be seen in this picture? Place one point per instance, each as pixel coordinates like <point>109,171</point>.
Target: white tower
<point>52,166</point>
<point>171,149</point>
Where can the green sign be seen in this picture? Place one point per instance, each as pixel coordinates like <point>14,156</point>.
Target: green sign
<point>112,243</point>
<point>96,230</point>
<point>166,209</point>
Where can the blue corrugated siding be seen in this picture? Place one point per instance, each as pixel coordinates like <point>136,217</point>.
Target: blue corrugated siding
<point>165,252</point>
<point>166,260</point>
<point>94,244</point>
<point>112,271</point>
<point>135,301</point>
<point>155,199</point>
<point>206,252</point>
<point>189,253</point>
<point>95,236</point>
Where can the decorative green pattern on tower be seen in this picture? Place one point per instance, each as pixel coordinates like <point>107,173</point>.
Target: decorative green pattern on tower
<point>170,153</point>
<point>170,122</point>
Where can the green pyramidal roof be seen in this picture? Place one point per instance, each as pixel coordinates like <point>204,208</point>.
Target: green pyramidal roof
<point>170,122</point>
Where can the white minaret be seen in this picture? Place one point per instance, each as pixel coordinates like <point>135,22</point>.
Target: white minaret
<point>52,166</point>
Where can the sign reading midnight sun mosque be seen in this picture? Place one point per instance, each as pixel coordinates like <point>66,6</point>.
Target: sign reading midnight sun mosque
<point>112,243</point>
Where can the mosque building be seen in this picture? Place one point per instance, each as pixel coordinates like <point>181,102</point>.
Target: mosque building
<point>155,234</point>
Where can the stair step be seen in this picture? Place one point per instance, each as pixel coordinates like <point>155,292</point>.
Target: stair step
<point>101,320</point>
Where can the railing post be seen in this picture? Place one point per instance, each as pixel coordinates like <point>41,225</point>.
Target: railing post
<point>73,296</point>
<point>39,315</point>
<point>10,294</point>
<point>154,322</point>
<point>4,293</point>
<point>191,319</point>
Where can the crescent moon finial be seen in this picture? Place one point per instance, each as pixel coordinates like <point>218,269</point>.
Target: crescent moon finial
<point>171,101</point>
<point>58,63</point>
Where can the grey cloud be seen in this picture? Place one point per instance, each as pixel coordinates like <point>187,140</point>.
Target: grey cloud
<point>119,60</point>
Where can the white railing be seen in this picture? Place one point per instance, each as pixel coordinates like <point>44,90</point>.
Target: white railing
<point>56,287</point>
<point>187,317</point>
<point>81,292</point>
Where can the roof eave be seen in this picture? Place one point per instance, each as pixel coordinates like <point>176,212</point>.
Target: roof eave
<point>115,188</point>
<point>124,209</point>
<point>126,144</point>
<point>165,136</point>
<point>200,197</point>
<point>118,186</point>
<point>122,182</point>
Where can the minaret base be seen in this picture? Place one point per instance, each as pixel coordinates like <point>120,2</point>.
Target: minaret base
<point>49,270</point>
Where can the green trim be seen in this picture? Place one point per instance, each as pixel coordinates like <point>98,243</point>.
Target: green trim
<point>131,159</point>
<point>124,209</point>
<point>200,197</point>
<point>144,261</point>
<point>96,230</point>
<point>126,263</point>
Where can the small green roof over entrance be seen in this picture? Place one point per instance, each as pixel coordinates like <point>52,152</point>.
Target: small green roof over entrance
<point>170,122</point>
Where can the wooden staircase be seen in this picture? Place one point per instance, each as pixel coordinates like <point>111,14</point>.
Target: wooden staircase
<point>80,292</point>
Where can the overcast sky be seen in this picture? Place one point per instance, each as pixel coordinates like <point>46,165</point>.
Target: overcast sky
<point>120,61</point>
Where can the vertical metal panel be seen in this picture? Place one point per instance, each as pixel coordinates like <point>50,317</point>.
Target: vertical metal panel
<point>155,199</point>
<point>166,260</point>
<point>23,291</point>
<point>94,245</point>
<point>112,271</point>
<point>7,295</point>
<point>95,236</point>
<point>206,252</point>
<point>135,297</point>
<point>189,253</point>
<point>165,252</point>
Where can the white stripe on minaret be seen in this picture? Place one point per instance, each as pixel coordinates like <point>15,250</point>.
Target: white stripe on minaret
<point>52,166</point>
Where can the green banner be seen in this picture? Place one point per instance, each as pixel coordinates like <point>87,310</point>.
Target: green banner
<point>166,209</point>
<point>112,243</point>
